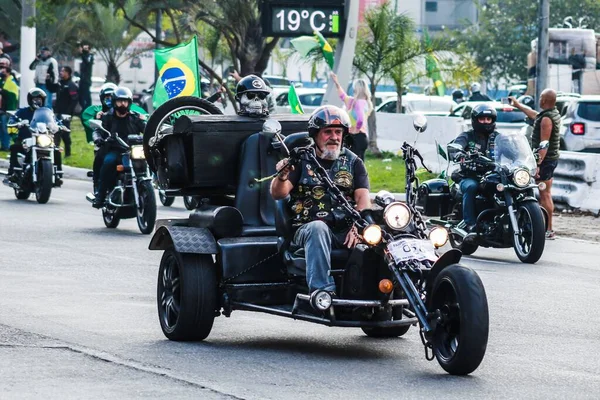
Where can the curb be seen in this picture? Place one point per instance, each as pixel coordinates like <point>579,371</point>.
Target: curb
<point>68,172</point>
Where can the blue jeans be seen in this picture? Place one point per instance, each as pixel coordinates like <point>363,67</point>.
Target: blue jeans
<point>108,173</point>
<point>317,240</point>
<point>468,187</point>
<point>48,95</point>
<point>4,138</point>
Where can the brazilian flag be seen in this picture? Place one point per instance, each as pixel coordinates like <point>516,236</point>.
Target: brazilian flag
<point>433,70</point>
<point>178,72</point>
<point>294,101</point>
<point>305,44</point>
<point>9,90</point>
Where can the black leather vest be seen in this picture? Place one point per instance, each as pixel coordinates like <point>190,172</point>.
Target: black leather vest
<point>310,200</point>
<point>553,151</point>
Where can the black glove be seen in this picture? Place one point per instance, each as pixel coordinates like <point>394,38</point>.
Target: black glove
<point>99,142</point>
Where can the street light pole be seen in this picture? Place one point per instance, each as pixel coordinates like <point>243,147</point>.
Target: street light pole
<point>158,33</point>
<point>27,52</point>
<point>541,80</point>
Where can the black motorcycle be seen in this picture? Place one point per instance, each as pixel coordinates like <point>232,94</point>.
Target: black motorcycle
<point>36,171</point>
<point>508,213</point>
<point>393,280</point>
<point>133,195</point>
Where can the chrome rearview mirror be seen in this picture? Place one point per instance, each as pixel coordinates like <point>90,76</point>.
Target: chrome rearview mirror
<point>420,123</point>
<point>94,123</point>
<point>271,128</point>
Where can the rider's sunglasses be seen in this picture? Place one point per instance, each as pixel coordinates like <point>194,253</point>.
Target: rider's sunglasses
<point>259,95</point>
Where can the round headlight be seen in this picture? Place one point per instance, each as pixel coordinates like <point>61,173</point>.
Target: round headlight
<point>321,300</point>
<point>44,140</point>
<point>397,215</point>
<point>438,236</point>
<point>137,153</point>
<point>372,234</point>
<point>522,178</point>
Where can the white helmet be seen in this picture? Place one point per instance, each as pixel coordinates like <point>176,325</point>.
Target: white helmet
<point>475,87</point>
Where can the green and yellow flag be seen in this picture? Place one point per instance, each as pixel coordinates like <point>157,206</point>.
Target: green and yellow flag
<point>10,93</point>
<point>433,70</point>
<point>294,101</point>
<point>178,72</point>
<point>305,44</point>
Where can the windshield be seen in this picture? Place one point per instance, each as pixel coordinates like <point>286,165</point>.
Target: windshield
<point>510,115</point>
<point>511,150</point>
<point>43,120</point>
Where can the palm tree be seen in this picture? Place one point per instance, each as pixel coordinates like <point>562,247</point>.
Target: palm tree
<point>374,48</point>
<point>110,33</point>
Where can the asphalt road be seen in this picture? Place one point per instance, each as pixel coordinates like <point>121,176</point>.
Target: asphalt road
<point>78,319</point>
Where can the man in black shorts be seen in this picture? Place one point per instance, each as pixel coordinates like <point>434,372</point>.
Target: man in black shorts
<point>546,126</point>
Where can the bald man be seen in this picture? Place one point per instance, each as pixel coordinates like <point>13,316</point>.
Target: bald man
<point>546,126</point>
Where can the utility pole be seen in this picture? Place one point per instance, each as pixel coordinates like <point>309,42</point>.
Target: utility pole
<point>28,48</point>
<point>158,33</point>
<point>541,80</point>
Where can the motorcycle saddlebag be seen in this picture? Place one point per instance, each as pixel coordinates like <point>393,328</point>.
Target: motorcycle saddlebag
<point>433,197</point>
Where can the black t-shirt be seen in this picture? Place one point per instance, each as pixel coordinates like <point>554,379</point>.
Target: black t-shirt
<point>361,177</point>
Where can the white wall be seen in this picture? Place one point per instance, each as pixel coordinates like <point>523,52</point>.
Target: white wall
<point>394,129</point>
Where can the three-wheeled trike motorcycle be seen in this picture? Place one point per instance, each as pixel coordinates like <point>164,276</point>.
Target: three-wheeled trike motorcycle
<point>233,252</point>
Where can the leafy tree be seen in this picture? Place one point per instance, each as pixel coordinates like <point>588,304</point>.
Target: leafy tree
<point>502,37</point>
<point>111,35</point>
<point>374,47</point>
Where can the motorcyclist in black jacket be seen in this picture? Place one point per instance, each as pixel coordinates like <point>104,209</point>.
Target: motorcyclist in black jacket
<point>36,98</point>
<point>121,120</point>
<point>476,94</point>
<point>479,139</point>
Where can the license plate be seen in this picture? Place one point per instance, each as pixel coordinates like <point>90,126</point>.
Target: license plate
<point>412,249</point>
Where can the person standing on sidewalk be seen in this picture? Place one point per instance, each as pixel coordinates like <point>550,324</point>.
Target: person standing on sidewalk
<point>9,100</point>
<point>66,101</point>
<point>85,75</point>
<point>359,107</point>
<point>46,73</point>
<point>546,126</point>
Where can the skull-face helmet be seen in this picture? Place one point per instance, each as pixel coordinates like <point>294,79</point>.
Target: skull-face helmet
<point>252,92</point>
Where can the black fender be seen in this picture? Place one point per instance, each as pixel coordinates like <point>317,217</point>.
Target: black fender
<point>450,257</point>
<point>544,211</point>
<point>184,239</point>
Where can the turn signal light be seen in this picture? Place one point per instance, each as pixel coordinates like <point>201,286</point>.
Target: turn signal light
<point>386,286</point>
<point>120,168</point>
<point>578,128</point>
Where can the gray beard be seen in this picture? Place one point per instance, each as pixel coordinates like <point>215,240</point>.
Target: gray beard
<point>330,154</point>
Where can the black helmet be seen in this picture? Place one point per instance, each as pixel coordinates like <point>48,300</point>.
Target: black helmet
<point>483,110</point>
<point>527,101</point>
<point>251,83</point>
<point>457,94</point>
<point>106,92</point>
<point>326,116</point>
<point>36,93</point>
<point>122,93</point>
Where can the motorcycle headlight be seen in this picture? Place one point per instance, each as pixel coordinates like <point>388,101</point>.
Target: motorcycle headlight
<point>137,153</point>
<point>397,216</point>
<point>44,140</point>
<point>372,234</point>
<point>521,178</point>
<point>438,236</point>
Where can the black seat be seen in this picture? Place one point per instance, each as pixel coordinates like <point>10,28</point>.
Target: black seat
<point>252,198</point>
<point>294,258</point>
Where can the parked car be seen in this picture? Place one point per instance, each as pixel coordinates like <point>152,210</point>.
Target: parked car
<point>381,97</point>
<point>581,124</point>
<point>279,84</point>
<point>427,105</point>
<point>310,98</point>
<point>509,118</point>
<point>563,100</point>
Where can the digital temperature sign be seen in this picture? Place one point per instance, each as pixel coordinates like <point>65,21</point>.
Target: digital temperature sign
<point>289,19</point>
